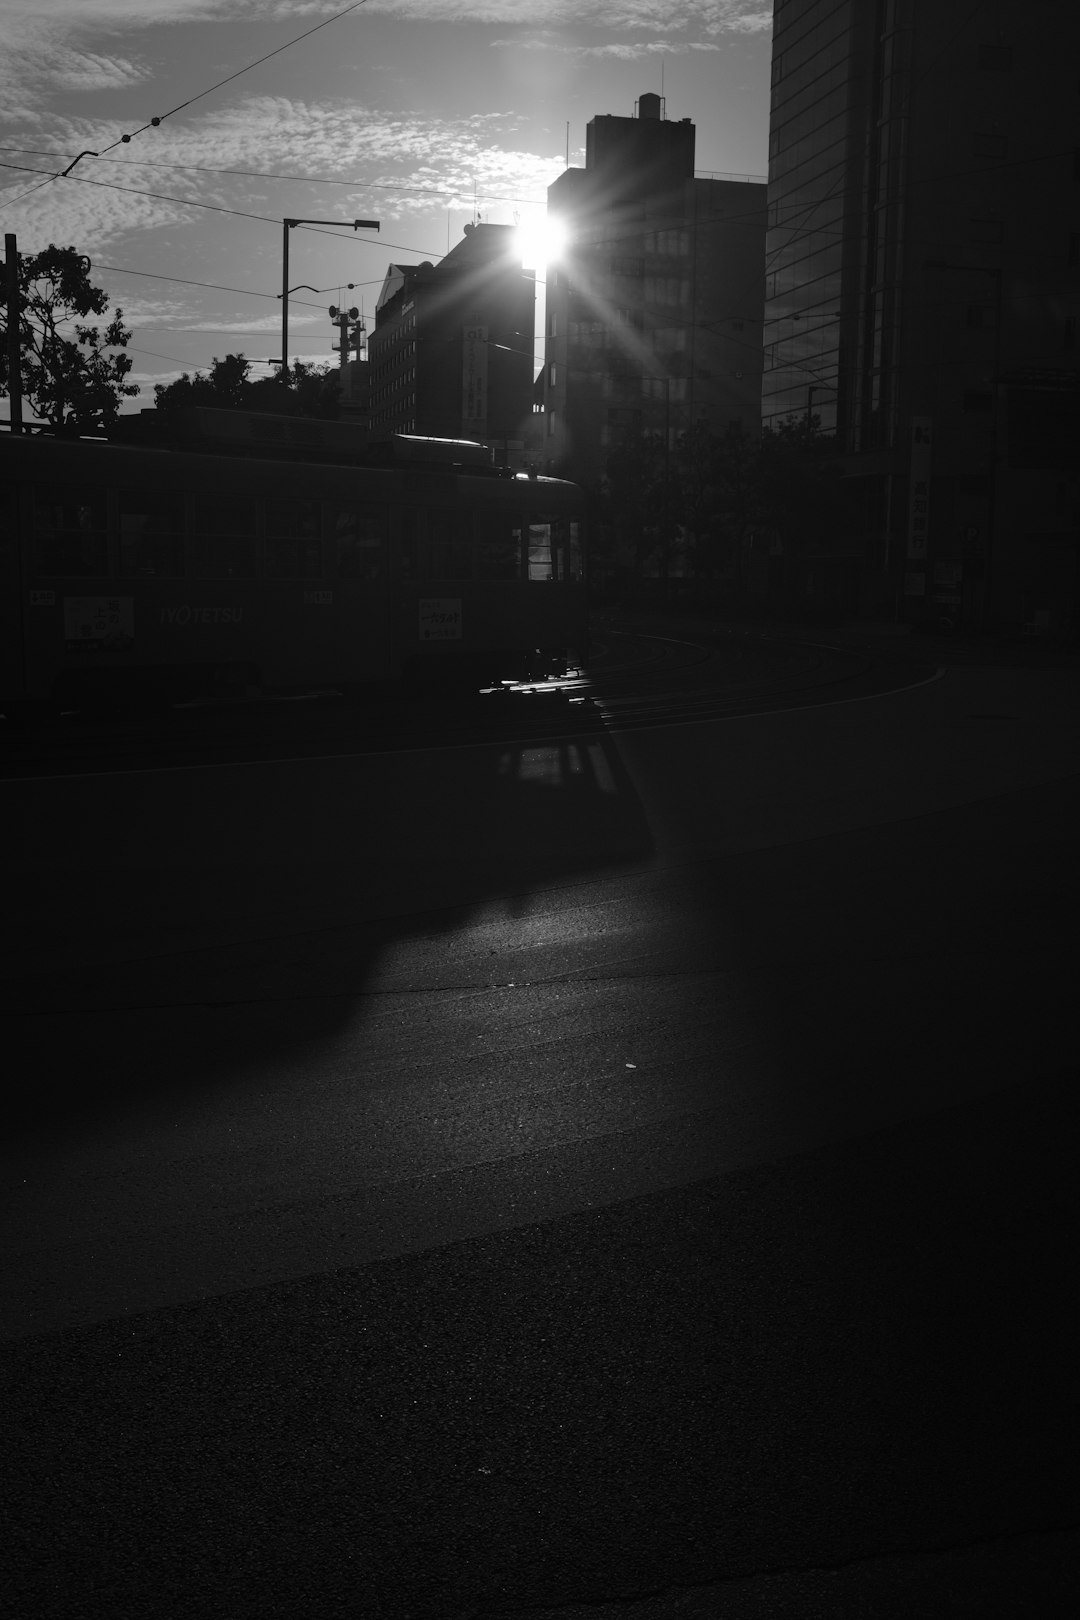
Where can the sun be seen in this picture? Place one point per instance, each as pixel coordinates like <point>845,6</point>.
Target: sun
<point>540,241</point>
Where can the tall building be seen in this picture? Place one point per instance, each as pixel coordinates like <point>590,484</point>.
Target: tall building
<point>923,271</point>
<point>654,305</point>
<point>451,352</point>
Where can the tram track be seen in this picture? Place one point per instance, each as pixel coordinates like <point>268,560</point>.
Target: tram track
<point>635,680</point>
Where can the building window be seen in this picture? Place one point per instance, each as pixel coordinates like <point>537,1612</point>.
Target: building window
<point>995,58</point>
<point>667,290</point>
<point>777,67</point>
<point>551,424</point>
<point>675,242</point>
<point>551,375</point>
<point>982,316</point>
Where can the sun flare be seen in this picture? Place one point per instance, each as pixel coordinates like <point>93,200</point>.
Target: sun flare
<point>541,241</point>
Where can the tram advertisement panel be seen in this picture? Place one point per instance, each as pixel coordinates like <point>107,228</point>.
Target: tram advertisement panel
<point>99,623</point>
<point>440,618</point>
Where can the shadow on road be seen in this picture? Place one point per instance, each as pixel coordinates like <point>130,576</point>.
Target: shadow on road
<point>179,929</point>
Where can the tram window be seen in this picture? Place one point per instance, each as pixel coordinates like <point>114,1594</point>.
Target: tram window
<point>573,555</point>
<point>499,547</point>
<point>7,515</point>
<point>540,551</point>
<point>449,544</point>
<point>293,545</point>
<point>152,534</point>
<point>71,531</point>
<point>359,540</point>
<point>562,547</point>
<point>410,535</point>
<point>223,537</point>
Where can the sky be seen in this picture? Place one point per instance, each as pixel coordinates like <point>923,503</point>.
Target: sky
<point>421,114</point>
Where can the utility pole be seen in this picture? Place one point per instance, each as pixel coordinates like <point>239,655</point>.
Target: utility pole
<point>14,347</point>
<point>287,226</point>
<point>351,332</point>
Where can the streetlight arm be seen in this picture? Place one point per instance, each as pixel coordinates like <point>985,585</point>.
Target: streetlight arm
<point>357,224</point>
<point>288,224</point>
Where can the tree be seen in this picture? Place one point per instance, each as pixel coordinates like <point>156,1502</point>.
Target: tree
<point>638,490</point>
<point>68,378</point>
<point>310,391</point>
<point>719,501</point>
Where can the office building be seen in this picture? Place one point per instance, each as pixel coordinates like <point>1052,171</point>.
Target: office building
<point>654,304</point>
<point>923,271</point>
<point>451,351</point>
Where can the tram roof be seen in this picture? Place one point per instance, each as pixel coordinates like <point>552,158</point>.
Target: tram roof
<point>204,427</point>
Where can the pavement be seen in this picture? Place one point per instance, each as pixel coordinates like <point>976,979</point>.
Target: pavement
<point>895,640</point>
<point>837,1378</point>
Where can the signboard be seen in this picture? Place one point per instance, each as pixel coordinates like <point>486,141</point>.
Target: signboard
<point>919,485</point>
<point>99,623</point>
<point>440,618</point>
<point>474,382</point>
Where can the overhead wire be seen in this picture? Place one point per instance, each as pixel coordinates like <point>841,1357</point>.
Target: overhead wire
<point>153,123</point>
<point>216,208</point>
<point>217,286</point>
<point>301,179</point>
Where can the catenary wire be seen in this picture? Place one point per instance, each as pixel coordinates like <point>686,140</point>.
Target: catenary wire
<point>301,179</point>
<point>218,208</point>
<point>153,123</point>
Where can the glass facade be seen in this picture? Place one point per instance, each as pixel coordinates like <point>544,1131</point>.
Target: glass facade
<point>813,92</point>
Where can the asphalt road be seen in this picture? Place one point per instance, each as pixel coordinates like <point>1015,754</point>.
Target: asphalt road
<point>630,1170</point>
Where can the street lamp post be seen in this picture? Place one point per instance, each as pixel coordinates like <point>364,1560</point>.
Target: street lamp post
<point>287,226</point>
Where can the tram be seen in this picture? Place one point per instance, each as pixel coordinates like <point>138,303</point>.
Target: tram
<point>270,552</point>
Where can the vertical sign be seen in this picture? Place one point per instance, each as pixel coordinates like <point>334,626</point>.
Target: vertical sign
<point>919,487</point>
<point>474,382</point>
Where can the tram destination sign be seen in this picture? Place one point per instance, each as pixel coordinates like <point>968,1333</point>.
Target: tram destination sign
<point>440,618</point>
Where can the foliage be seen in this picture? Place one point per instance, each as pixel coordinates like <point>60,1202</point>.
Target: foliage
<point>311,390</point>
<point>711,499</point>
<point>68,378</point>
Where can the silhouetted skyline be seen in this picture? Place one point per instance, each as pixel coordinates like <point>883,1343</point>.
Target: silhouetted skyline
<point>438,111</point>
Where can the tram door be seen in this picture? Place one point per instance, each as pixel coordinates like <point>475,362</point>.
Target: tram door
<point>434,565</point>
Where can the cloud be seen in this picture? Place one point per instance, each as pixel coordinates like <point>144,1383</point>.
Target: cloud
<point>37,57</point>
<point>438,163</point>
<point>85,71</point>
<point>627,51</point>
<point>706,16</point>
